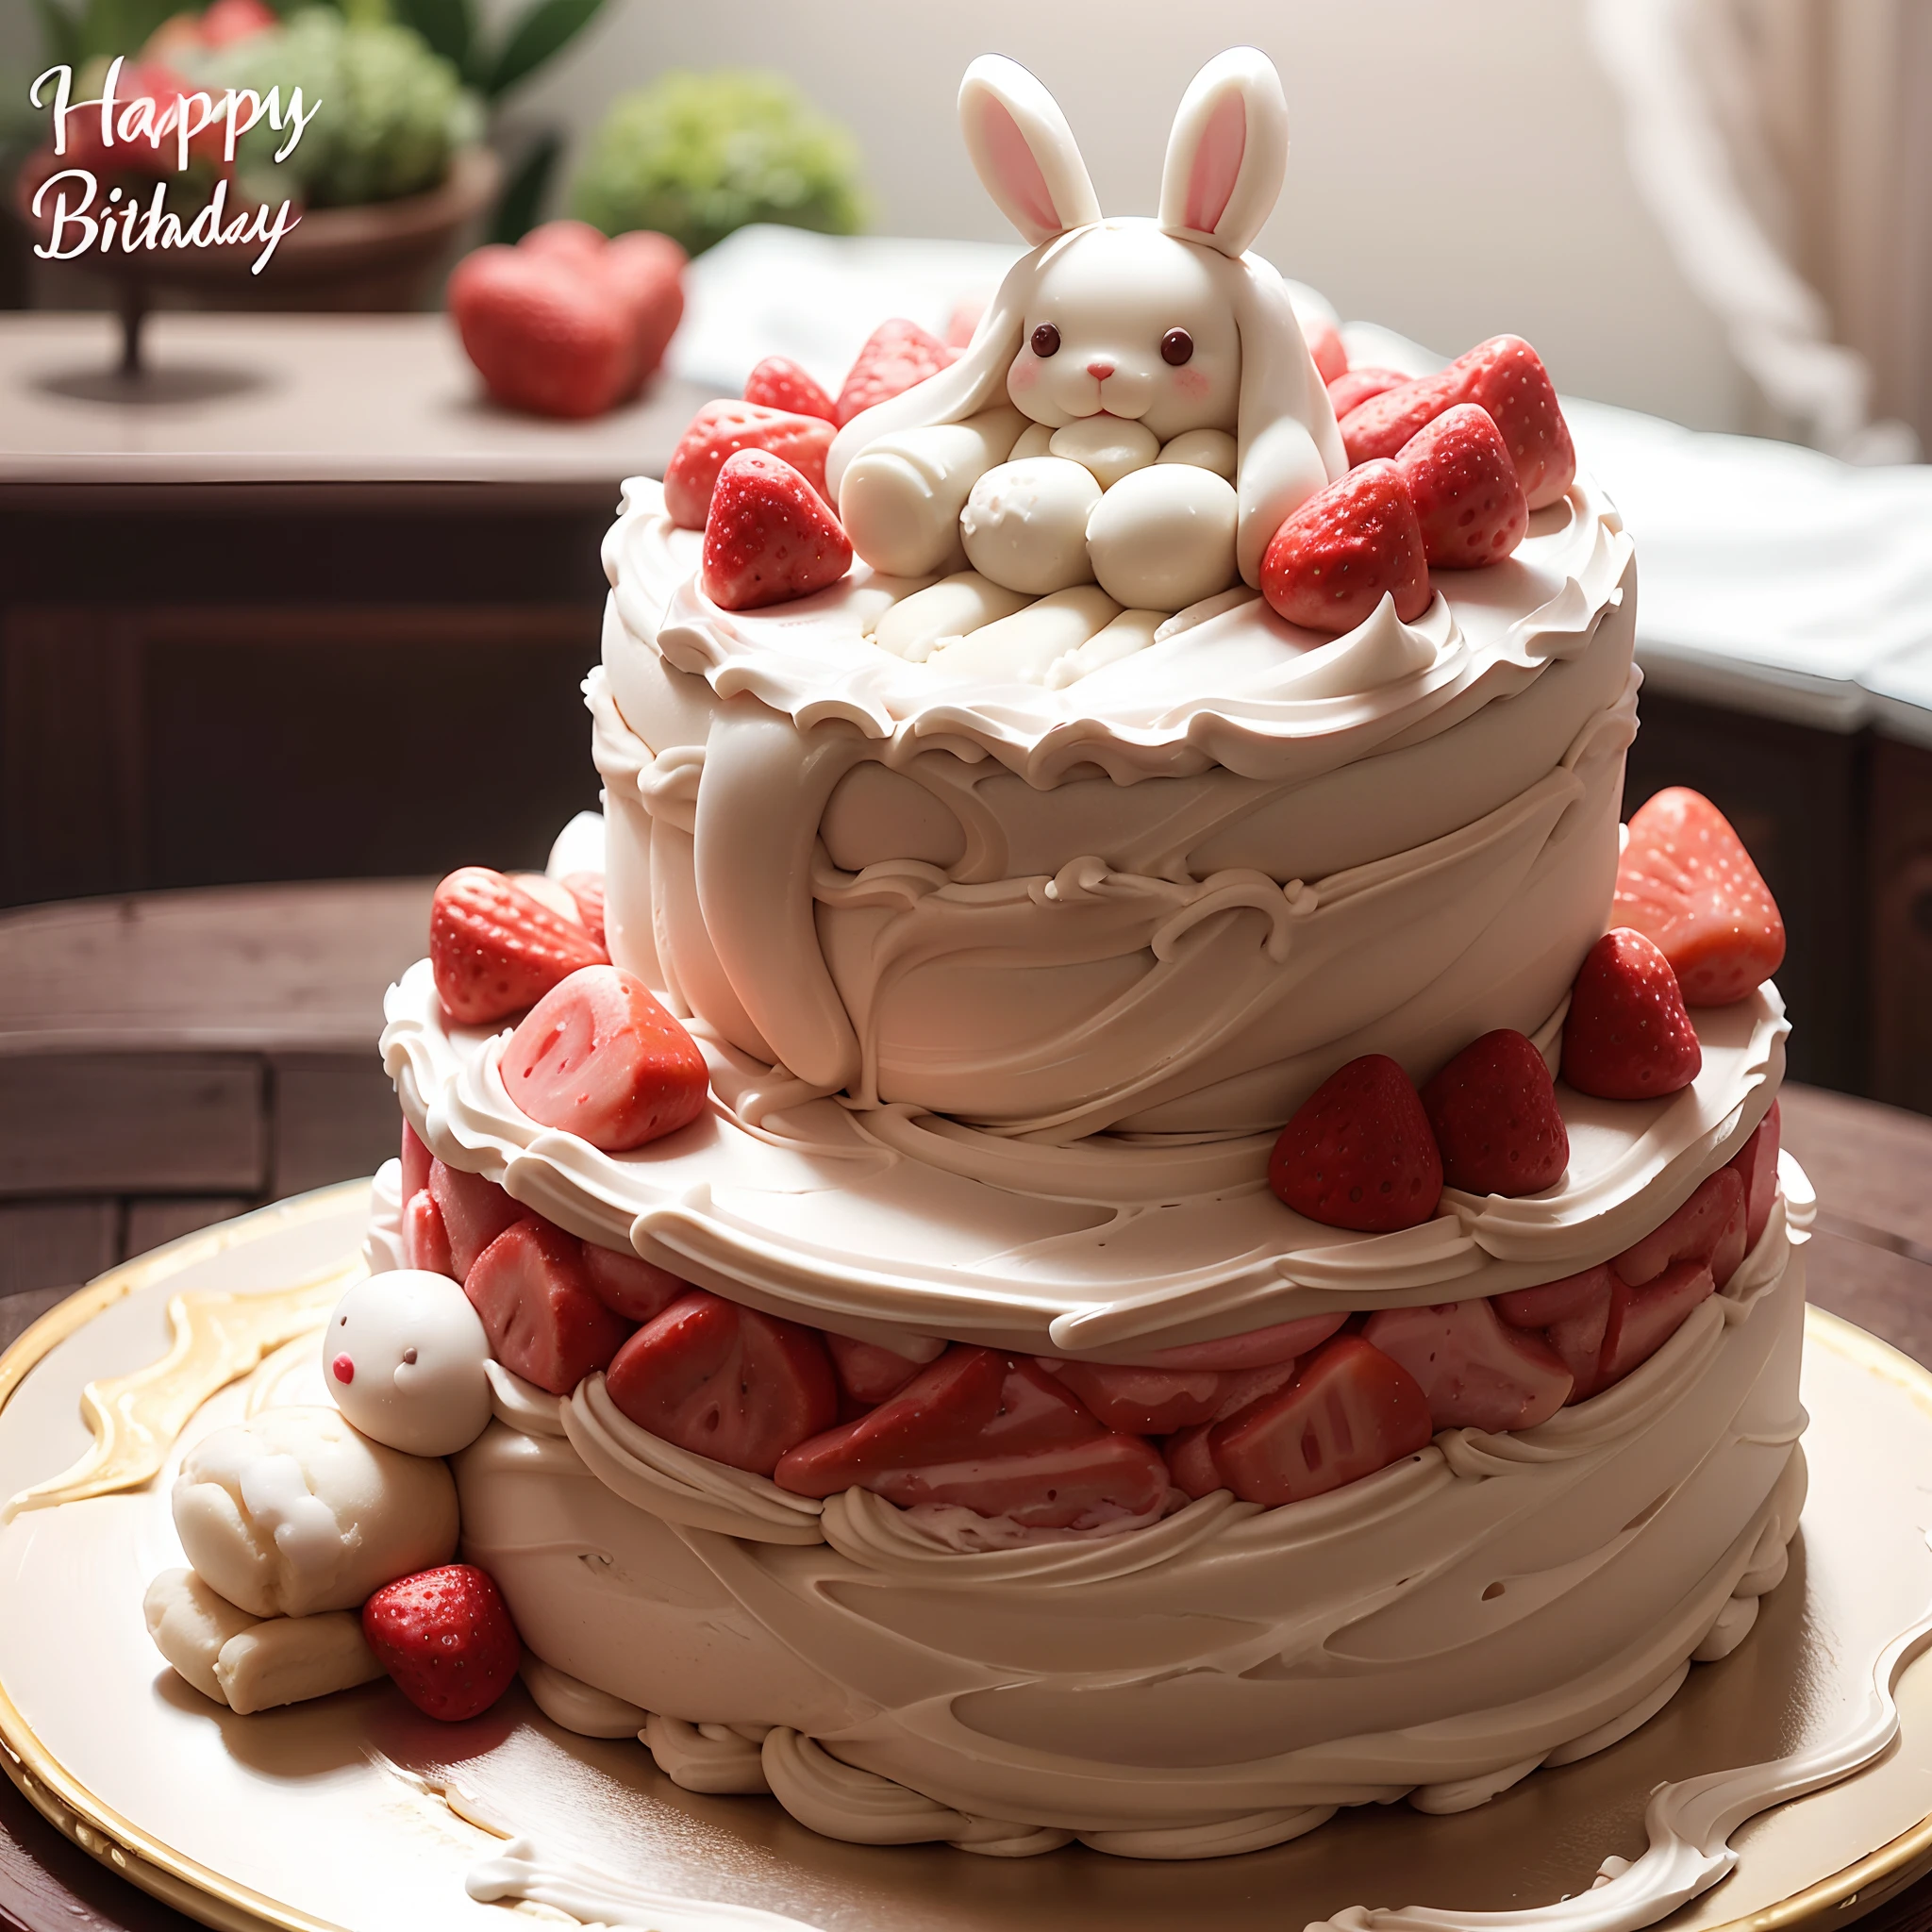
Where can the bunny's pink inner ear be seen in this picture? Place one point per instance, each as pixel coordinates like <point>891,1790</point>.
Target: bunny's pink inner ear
<point>1217,162</point>
<point>1020,174</point>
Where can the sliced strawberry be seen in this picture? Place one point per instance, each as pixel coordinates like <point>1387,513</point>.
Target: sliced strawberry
<point>1686,881</point>
<point>1476,1373</point>
<point>1556,1301</point>
<point>726,1382</point>
<point>445,1636</point>
<point>629,1286</point>
<point>543,1322</point>
<point>1359,1153</point>
<point>586,890</point>
<point>1281,1342</point>
<point>1324,345</point>
<point>869,1374</point>
<point>769,537</point>
<point>474,1212</point>
<point>896,357</point>
<point>1349,1412</point>
<point>1643,1318</point>
<point>415,1162</point>
<point>494,950</point>
<point>1708,1227</point>
<point>1350,545</point>
<point>425,1241</point>
<point>1464,488</point>
<point>1505,378</point>
<point>1627,1036</point>
<point>993,1433</point>
<point>1577,1332</point>
<point>598,1058</point>
<point>1352,390</point>
<point>1757,1167</point>
<point>1493,1112</point>
<point>1141,1402</point>
<point>1190,1462</point>
<point>718,432</point>
<point>779,383</point>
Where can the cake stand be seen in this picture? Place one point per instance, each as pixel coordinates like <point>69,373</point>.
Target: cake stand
<point>357,1811</point>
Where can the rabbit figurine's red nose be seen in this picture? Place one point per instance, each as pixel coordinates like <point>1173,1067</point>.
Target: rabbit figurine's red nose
<point>1100,368</point>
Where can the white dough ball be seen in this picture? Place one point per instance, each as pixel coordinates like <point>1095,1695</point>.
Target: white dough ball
<point>1024,525</point>
<point>402,1355</point>
<point>1207,449</point>
<point>1109,447</point>
<point>295,1511</point>
<point>1163,538</point>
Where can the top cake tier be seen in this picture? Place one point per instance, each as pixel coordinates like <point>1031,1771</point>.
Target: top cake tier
<point>1162,888</point>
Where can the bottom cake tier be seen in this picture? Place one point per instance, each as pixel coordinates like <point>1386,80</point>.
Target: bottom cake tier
<point>1221,1680</point>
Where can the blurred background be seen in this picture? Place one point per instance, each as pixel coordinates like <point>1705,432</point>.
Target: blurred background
<point>288,592</point>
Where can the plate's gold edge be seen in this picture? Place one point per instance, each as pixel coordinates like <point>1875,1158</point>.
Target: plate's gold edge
<point>215,1901</point>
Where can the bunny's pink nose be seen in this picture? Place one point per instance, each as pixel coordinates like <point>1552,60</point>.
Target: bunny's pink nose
<point>1100,368</point>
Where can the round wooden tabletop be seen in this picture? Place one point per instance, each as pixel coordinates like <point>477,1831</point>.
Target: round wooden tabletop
<point>1871,1262</point>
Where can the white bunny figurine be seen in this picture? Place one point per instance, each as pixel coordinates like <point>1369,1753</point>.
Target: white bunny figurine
<point>1137,407</point>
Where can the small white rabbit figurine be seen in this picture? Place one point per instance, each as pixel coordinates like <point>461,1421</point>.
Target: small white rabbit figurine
<point>1138,405</point>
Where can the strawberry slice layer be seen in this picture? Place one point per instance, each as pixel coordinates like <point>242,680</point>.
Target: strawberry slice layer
<point>1359,1153</point>
<point>1686,881</point>
<point>597,1057</point>
<point>425,1243</point>
<point>635,1289</point>
<point>869,1374</point>
<point>1641,1320</point>
<point>992,1433</point>
<point>415,1160</point>
<point>495,948</point>
<point>1476,1371</point>
<point>1627,1036</point>
<point>1708,1227</point>
<point>543,1321</point>
<point>1757,1167</point>
<point>726,1382</point>
<point>475,1211</point>
<point>1350,1411</point>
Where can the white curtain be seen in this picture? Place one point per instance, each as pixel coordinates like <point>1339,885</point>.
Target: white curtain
<point>1784,147</point>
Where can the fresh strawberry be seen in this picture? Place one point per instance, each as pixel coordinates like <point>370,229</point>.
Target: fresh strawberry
<point>1350,545</point>
<point>627,1286</point>
<point>548,891</point>
<point>567,241</point>
<point>445,1636</point>
<point>1350,391</point>
<point>415,1162</point>
<point>1476,1373</point>
<point>597,1057</point>
<point>1708,1227</point>
<point>586,890</point>
<point>1350,1411</point>
<point>868,1375</point>
<point>1494,1115</point>
<point>897,354</point>
<point>475,1211</point>
<point>425,1241</point>
<point>726,1382</point>
<point>1464,488</point>
<point>1503,377</point>
<point>992,1433</point>
<point>1686,881</point>
<point>779,383</point>
<point>769,537</point>
<point>542,330</point>
<point>1324,345</point>
<point>1359,1151</point>
<point>718,432</point>
<point>1627,1036</point>
<point>1643,1318</point>
<point>494,950</point>
<point>544,1323</point>
<point>1281,1342</point>
<point>645,273</point>
<point>1757,1167</point>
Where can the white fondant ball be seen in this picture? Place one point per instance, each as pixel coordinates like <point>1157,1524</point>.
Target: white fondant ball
<point>1162,537</point>
<point>402,1355</point>
<point>1024,525</point>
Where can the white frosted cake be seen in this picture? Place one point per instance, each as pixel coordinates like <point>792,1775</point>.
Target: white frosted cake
<point>989,1396</point>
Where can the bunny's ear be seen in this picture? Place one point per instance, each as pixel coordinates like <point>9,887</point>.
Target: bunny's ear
<point>1023,150</point>
<point>1227,153</point>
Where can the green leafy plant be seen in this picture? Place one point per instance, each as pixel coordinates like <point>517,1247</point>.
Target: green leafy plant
<point>698,156</point>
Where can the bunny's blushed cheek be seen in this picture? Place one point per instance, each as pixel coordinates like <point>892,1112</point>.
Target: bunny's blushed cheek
<point>1192,383</point>
<point>1024,375</point>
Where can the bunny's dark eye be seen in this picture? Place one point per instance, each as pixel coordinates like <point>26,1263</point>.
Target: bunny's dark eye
<point>1176,346</point>
<point>1046,341</point>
